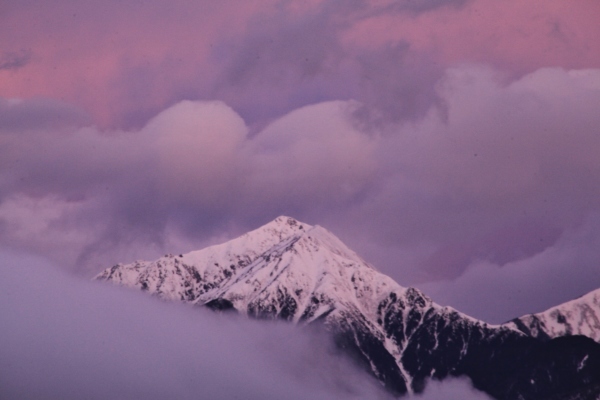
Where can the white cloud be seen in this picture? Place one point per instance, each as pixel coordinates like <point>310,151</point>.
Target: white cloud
<point>314,155</point>
<point>451,389</point>
<point>198,149</point>
<point>497,293</point>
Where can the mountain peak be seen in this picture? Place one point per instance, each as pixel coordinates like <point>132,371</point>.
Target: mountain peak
<point>281,227</point>
<point>304,274</point>
<point>283,220</point>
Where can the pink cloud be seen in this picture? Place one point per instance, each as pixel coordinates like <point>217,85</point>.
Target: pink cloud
<point>114,58</point>
<point>516,35</point>
<point>124,63</point>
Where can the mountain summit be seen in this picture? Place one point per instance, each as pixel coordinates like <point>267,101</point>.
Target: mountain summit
<point>300,273</point>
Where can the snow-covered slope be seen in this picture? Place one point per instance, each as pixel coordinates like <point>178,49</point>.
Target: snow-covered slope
<point>292,271</point>
<point>285,269</point>
<point>185,277</point>
<point>577,317</point>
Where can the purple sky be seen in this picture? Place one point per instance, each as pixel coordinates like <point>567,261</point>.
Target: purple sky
<point>453,144</point>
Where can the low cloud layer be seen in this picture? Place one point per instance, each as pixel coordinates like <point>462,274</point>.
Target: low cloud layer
<point>63,338</point>
<point>14,60</point>
<point>451,389</point>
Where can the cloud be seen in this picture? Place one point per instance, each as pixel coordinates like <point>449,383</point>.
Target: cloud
<point>289,59</point>
<point>69,339</point>
<point>326,159</point>
<point>498,175</point>
<point>122,62</point>
<point>497,293</point>
<point>19,115</point>
<point>423,6</point>
<point>14,60</point>
<point>197,144</point>
<point>277,56</point>
<point>451,389</point>
<point>496,172</point>
<point>188,167</point>
<point>117,188</point>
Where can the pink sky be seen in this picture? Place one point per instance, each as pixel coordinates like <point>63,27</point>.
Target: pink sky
<point>438,138</point>
<point>124,62</point>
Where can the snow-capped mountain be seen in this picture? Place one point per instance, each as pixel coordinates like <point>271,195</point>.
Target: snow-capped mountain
<point>303,274</point>
<point>577,317</point>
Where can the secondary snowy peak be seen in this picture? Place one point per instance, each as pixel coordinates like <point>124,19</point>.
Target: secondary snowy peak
<point>576,317</point>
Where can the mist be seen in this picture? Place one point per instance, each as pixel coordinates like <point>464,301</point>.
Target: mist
<point>64,337</point>
<point>61,337</point>
<point>452,389</point>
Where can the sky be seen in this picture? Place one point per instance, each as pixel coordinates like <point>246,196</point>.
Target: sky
<point>451,143</point>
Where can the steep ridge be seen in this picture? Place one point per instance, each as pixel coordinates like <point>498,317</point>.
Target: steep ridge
<point>576,317</point>
<point>303,274</point>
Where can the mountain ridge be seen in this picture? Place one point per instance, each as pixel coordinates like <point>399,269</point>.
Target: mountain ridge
<point>580,316</point>
<point>303,274</point>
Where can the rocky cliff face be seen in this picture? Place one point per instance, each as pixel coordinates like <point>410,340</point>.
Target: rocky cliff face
<point>292,271</point>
